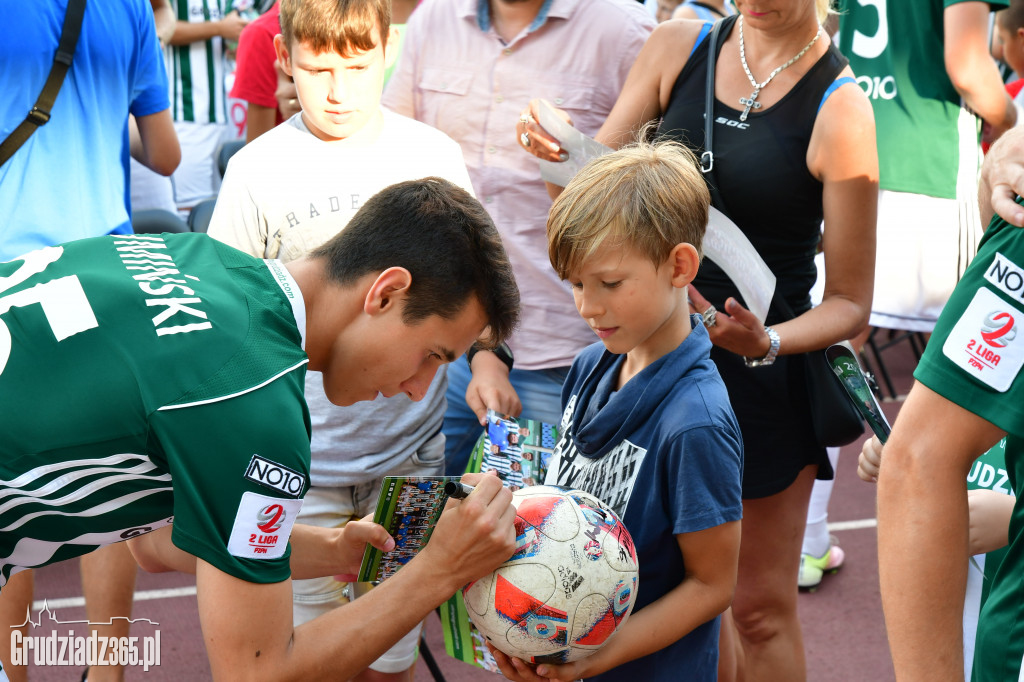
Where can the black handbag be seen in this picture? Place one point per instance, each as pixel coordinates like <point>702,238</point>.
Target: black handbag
<point>835,419</point>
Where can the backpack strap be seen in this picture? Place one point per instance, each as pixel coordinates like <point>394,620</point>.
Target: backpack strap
<point>39,114</point>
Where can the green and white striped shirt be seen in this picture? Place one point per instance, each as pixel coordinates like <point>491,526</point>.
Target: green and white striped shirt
<point>196,71</point>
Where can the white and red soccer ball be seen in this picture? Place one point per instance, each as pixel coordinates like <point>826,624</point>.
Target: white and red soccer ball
<point>570,584</point>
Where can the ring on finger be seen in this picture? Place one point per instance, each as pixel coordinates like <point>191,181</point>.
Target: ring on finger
<point>708,316</point>
<point>524,118</point>
<point>525,139</point>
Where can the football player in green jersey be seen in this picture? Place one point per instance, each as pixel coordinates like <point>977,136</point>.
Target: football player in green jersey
<point>151,390</point>
<point>966,398</point>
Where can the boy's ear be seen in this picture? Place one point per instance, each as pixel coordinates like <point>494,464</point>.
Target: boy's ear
<point>283,57</point>
<point>390,287</point>
<point>685,262</point>
<point>391,48</point>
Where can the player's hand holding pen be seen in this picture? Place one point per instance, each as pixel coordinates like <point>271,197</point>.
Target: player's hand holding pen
<point>474,535</point>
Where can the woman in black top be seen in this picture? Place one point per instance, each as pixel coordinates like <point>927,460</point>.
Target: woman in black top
<point>794,144</point>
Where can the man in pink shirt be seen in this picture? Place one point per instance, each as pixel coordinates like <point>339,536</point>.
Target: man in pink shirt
<point>468,67</point>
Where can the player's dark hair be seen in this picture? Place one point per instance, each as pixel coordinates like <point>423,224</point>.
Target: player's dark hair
<point>444,238</point>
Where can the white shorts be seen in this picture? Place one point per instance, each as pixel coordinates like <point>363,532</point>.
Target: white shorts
<point>333,508</point>
<point>924,246</point>
<point>197,177</point>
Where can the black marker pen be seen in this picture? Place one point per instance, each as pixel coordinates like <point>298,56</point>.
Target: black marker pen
<point>457,489</point>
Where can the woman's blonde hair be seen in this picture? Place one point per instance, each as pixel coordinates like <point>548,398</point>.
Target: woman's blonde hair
<point>823,8</point>
<point>650,196</point>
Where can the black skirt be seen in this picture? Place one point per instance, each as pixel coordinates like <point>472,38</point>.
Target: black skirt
<point>772,408</point>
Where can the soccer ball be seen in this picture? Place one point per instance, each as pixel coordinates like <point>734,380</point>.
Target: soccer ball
<point>570,584</point>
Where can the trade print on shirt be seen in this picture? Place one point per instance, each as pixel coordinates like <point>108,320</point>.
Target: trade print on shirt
<point>609,478</point>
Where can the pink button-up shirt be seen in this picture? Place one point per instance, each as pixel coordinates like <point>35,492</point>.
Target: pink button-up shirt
<point>463,80</point>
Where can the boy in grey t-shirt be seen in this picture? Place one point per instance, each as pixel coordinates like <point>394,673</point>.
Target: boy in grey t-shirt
<point>341,149</point>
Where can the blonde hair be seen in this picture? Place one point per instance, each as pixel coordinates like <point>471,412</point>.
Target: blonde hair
<point>650,196</point>
<point>344,26</point>
<point>823,8</point>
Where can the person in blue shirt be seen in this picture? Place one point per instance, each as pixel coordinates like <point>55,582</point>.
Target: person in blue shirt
<point>647,425</point>
<point>77,163</point>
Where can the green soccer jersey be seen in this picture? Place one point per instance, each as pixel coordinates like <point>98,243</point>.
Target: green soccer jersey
<point>144,379</point>
<point>987,473</point>
<point>974,359</point>
<point>926,140</point>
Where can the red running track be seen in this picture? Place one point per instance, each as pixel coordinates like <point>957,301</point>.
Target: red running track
<point>844,631</point>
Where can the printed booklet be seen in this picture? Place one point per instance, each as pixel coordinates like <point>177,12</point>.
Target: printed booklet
<point>519,451</point>
<point>408,507</point>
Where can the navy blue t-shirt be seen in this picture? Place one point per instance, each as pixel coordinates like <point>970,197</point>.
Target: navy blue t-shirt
<point>665,452</point>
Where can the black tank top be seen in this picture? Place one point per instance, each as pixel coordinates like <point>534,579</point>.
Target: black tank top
<point>760,170</point>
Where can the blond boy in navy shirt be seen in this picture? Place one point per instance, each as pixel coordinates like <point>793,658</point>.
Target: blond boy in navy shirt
<point>647,426</point>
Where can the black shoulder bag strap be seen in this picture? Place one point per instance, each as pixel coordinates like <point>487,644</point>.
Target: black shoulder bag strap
<point>40,112</point>
<point>711,8</point>
<point>707,159</point>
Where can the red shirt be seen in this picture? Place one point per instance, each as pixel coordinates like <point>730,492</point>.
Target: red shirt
<point>255,76</point>
<point>1014,88</point>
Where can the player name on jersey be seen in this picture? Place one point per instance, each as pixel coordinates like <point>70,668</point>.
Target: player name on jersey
<point>147,256</point>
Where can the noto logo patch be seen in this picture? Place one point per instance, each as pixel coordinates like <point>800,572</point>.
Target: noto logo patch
<point>984,342</point>
<point>262,526</point>
<point>1006,275</point>
<point>275,476</point>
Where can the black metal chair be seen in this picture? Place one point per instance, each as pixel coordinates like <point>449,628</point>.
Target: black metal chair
<point>881,340</point>
<point>199,218</point>
<point>156,221</point>
<point>226,151</point>
<point>430,661</point>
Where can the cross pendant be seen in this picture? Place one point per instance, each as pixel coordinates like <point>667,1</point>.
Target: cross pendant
<point>748,103</point>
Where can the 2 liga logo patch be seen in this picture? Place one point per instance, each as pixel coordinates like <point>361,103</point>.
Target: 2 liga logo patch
<point>262,526</point>
<point>998,329</point>
<point>984,340</point>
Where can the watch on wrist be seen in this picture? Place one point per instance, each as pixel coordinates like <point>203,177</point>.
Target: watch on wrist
<point>503,352</point>
<point>773,350</point>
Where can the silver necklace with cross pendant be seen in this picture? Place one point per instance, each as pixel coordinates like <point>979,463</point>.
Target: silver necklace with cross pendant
<point>751,102</point>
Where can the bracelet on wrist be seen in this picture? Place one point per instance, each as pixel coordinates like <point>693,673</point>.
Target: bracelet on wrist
<point>503,353</point>
<point>769,357</point>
